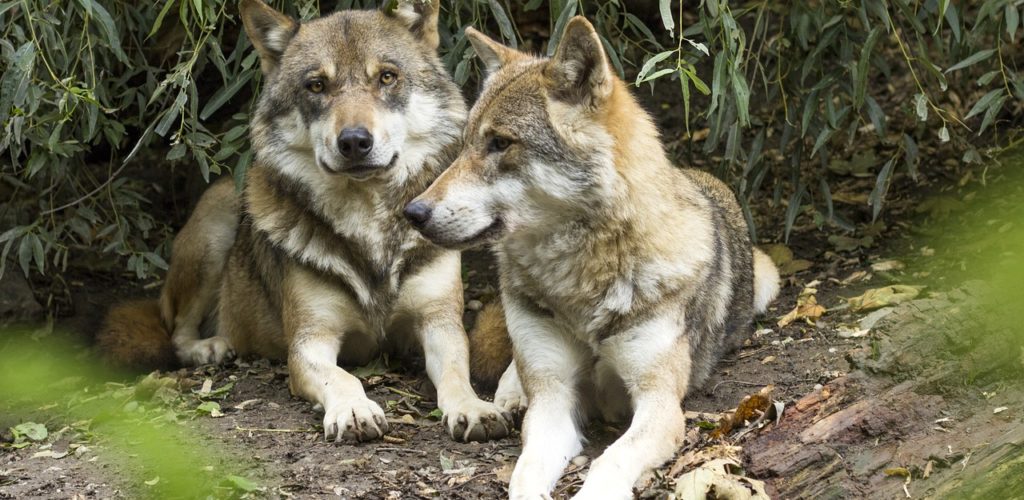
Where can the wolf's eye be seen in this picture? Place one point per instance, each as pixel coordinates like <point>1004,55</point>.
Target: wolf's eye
<point>387,77</point>
<point>498,144</point>
<point>315,85</point>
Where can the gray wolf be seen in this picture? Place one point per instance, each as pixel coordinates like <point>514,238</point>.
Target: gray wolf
<point>313,262</point>
<point>622,277</point>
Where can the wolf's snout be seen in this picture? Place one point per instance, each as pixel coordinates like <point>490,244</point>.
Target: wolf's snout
<point>418,212</point>
<point>355,143</point>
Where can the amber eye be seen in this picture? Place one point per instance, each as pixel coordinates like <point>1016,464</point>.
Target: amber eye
<point>388,77</point>
<point>315,85</point>
<point>499,144</point>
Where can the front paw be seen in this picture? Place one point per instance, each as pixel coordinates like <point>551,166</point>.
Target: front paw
<point>477,420</point>
<point>512,402</point>
<point>213,350</point>
<point>356,419</point>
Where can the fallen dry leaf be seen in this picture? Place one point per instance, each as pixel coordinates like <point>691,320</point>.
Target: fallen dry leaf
<point>897,471</point>
<point>782,256</point>
<point>716,480</point>
<point>751,408</point>
<point>887,265</point>
<point>849,244</point>
<point>846,332</point>
<point>504,473</point>
<point>807,308</point>
<point>700,456</point>
<point>885,296</point>
<point>855,277</point>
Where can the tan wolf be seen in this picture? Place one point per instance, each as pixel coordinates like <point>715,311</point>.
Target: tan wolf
<point>315,263</point>
<point>622,277</point>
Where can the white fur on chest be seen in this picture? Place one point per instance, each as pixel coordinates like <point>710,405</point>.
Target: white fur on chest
<point>588,292</point>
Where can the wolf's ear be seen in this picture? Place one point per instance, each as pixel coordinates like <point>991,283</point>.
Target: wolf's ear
<point>579,70</point>
<point>493,54</point>
<point>269,30</point>
<point>420,16</point>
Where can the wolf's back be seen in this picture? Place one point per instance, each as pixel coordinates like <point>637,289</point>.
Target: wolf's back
<point>134,336</point>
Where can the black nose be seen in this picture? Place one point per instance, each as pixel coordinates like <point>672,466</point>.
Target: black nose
<point>418,213</point>
<point>355,143</point>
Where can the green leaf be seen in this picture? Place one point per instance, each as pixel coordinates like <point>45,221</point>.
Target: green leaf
<point>921,106</point>
<point>684,85</point>
<point>164,125</point>
<point>504,24</point>
<point>556,33</point>
<point>108,28</point>
<point>823,137</point>
<point>435,414</point>
<point>988,77</point>
<point>160,17</point>
<point>975,58</point>
<point>38,253</point>
<point>864,66</point>
<point>742,94</point>
<point>25,253</point>
<point>223,95</point>
<point>877,196</point>
<point>1012,21</point>
<point>793,210</point>
<point>984,103</point>
<point>156,260</point>
<point>910,154</point>
<point>639,26</point>
<point>177,152</point>
<point>990,115</point>
<point>31,430</point>
<point>650,63</point>
<point>613,55</point>
<point>666,14</point>
<point>657,74</point>
<point>211,408</point>
<point>877,116</point>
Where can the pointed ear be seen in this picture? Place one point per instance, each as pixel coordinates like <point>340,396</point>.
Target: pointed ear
<point>420,16</point>
<point>269,30</point>
<point>579,70</point>
<point>493,54</point>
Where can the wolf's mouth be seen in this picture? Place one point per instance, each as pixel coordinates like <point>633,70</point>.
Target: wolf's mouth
<point>365,171</point>
<point>484,235</point>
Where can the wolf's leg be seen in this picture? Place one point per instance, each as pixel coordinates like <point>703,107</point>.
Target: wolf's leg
<point>510,394</point>
<point>550,363</point>
<point>316,376</point>
<point>653,360</point>
<point>193,283</point>
<point>315,318</point>
<point>434,296</point>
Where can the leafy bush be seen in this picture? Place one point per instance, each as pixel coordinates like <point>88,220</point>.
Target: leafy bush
<point>92,89</point>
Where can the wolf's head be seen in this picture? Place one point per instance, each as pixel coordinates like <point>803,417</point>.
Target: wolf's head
<point>541,144</point>
<point>356,94</point>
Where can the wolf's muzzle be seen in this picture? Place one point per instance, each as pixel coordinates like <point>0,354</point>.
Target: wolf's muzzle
<point>418,213</point>
<point>355,143</point>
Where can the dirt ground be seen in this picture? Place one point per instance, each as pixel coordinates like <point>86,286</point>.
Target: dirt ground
<point>913,405</point>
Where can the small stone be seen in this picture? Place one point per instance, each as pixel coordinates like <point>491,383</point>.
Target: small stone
<point>474,305</point>
<point>580,460</point>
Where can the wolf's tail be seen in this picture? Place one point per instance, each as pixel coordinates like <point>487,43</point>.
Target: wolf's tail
<point>490,349</point>
<point>134,336</point>
<point>766,281</point>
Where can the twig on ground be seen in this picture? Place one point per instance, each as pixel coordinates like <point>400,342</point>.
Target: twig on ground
<point>397,449</point>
